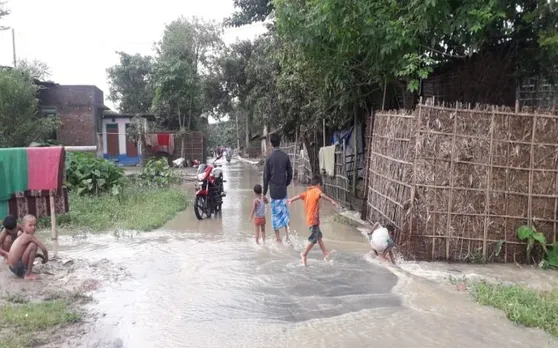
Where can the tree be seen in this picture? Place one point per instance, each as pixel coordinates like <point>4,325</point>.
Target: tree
<point>36,69</point>
<point>130,83</point>
<point>250,11</point>
<point>20,124</point>
<point>183,57</point>
<point>3,13</point>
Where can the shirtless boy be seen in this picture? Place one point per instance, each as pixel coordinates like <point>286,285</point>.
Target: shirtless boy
<point>24,250</point>
<point>9,233</point>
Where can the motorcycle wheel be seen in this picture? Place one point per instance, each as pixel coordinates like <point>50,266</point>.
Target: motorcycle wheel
<point>200,207</point>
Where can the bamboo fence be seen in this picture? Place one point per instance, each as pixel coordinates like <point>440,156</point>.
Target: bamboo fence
<point>458,181</point>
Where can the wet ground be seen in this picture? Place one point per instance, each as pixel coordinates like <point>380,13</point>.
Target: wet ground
<point>207,284</point>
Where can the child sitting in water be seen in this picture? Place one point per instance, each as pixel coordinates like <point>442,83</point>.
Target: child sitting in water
<point>381,240</point>
<point>311,200</point>
<point>10,232</point>
<point>24,250</point>
<point>258,213</point>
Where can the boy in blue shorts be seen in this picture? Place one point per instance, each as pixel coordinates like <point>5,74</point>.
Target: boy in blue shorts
<point>311,200</point>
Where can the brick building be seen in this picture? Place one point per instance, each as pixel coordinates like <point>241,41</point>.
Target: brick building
<point>80,109</point>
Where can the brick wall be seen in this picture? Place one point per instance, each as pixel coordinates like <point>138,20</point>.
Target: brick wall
<point>79,108</point>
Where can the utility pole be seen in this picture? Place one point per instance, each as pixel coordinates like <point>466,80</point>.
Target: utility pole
<point>237,135</point>
<point>14,48</point>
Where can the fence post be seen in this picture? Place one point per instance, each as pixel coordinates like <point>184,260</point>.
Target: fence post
<point>369,131</point>
<point>488,184</point>
<point>452,182</point>
<point>415,160</point>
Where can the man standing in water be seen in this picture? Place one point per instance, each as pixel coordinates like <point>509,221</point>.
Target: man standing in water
<point>278,174</point>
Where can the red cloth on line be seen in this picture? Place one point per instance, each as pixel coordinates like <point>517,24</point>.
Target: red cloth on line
<point>163,139</point>
<point>45,167</point>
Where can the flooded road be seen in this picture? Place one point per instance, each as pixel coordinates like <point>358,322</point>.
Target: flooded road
<point>207,284</point>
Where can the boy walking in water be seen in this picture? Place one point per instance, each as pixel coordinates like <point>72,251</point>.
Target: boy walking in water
<point>258,213</point>
<point>9,233</point>
<point>24,250</point>
<point>311,200</point>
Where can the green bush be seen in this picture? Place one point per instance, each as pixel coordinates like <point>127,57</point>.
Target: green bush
<point>157,172</point>
<point>87,174</point>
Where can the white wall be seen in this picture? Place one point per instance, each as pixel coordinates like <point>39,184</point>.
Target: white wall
<point>121,133</point>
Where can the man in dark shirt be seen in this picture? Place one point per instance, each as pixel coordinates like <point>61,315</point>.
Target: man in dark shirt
<point>278,174</point>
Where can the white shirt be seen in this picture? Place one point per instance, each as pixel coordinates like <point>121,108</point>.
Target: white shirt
<point>379,239</point>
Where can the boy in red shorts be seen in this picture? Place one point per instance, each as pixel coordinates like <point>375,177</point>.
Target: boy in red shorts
<point>258,213</point>
<point>311,200</point>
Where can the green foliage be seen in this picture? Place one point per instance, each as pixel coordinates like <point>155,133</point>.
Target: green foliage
<point>3,12</point>
<point>522,306</point>
<point>157,172</point>
<point>221,134</point>
<point>20,124</point>
<point>250,11</point>
<point>35,69</point>
<point>87,174</point>
<point>179,80</point>
<point>530,235</point>
<point>138,208</point>
<point>130,83</point>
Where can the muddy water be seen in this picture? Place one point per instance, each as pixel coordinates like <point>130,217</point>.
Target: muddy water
<point>207,284</point>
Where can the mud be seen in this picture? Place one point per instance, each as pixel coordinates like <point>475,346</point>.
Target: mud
<point>71,280</point>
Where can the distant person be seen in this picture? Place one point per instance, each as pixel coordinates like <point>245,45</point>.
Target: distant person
<point>278,174</point>
<point>24,250</point>
<point>311,200</point>
<point>381,241</point>
<point>10,231</point>
<point>258,213</point>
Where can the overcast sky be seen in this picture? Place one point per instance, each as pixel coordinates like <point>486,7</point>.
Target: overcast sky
<point>78,39</point>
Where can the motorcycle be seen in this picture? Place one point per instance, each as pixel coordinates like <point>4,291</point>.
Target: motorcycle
<point>209,191</point>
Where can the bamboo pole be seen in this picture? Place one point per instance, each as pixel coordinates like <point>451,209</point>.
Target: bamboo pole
<point>452,182</point>
<point>488,184</point>
<point>364,210</point>
<point>324,131</point>
<point>415,160</point>
<point>355,153</point>
<point>53,230</point>
<point>531,172</point>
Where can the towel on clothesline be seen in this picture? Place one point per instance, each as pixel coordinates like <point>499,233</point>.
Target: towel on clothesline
<point>45,167</point>
<point>13,175</point>
<point>326,158</point>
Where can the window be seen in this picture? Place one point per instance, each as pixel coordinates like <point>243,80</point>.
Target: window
<point>48,111</point>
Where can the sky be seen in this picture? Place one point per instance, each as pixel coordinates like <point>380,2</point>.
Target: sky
<point>78,39</point>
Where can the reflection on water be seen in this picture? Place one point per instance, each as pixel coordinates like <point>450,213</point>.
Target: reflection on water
<point>206,284</point>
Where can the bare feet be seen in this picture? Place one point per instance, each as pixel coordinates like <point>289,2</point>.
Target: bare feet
<point>31,276</point>
<point>303,258</point>
<point>326,256</point>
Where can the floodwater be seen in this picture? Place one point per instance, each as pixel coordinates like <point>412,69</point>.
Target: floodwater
<point>207,284</point>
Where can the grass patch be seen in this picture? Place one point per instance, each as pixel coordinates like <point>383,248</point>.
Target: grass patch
<point>141,209</point>
<point>522,306</point>
<point>21,321</point>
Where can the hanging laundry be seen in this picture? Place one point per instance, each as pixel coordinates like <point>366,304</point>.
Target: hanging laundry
<point>163,142</point>
<point>13,175</point>
<point>45,167</point>
<point>37,203</point>
<point>326,158</point>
